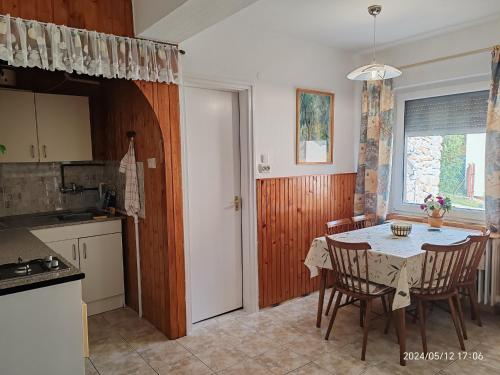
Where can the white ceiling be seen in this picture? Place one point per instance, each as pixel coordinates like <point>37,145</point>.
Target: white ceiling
<point>346,24</point>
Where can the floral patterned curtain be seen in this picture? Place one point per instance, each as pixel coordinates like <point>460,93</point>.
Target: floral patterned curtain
<point>375,149</point>
<point>492,185</point>
<point>28,43</point>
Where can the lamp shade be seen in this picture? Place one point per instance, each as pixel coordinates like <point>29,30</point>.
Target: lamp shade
<point>374,72</point>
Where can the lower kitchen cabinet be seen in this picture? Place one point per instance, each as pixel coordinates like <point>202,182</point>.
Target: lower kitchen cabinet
<point>95,248</point>
<point>102,262</point>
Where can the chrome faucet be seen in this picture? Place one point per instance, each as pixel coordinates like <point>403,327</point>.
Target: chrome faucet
<point>72,188</point>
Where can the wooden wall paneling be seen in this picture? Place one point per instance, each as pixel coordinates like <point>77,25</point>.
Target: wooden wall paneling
<point>36,9</point>
<point>173,91</point>
<point>291,212</point>
<point>166,106</point>
<point>129,109</point>
<point>110,16</point>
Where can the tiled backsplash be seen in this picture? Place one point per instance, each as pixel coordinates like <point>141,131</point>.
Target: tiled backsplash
<point>34,187</point>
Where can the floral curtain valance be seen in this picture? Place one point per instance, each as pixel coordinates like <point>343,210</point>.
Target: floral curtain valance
<point>28,43</point>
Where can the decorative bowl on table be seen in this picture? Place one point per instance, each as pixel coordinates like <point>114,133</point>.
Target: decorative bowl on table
<point>401,229</point>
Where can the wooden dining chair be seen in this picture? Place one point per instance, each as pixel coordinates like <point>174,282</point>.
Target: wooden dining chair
<point>363,221</point>
<point>441,269</point>
<point>334,227</point>
<point>339,226</point>
<point>350,264</point>
<point>467,279</point>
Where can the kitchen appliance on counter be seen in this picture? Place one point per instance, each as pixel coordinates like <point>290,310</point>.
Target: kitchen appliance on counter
<point>32,267</point>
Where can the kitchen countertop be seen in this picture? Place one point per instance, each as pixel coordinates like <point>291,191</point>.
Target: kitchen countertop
<point>20,242</point>
<point>16,241</point>
<point>45,220</point>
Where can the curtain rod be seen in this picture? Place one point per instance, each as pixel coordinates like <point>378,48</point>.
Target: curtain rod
<point>182,52</point>
<point>444,58</point>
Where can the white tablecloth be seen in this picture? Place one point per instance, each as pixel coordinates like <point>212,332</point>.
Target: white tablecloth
<point>393,261</point>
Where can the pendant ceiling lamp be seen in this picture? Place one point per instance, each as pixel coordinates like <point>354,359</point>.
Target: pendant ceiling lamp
<point>374,71</point>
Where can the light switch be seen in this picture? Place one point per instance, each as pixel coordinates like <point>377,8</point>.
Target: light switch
<point>152,163</point>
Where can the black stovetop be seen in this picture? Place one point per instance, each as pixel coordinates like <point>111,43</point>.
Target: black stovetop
<point>32,267</point>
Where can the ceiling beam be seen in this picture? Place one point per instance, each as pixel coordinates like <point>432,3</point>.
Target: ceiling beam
<point>177,20</point>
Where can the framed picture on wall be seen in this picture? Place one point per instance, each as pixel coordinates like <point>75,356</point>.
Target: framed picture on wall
<point>314,127</point>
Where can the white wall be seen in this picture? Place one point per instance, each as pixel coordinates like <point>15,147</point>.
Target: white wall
<point>276,65</point>
<point>454,42</point>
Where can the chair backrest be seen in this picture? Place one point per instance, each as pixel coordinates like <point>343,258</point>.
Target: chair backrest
<point>350,265</point>
<point>338,226</point>
<point>363,221</point>
<point>442,266</point>
<point>473,257</point>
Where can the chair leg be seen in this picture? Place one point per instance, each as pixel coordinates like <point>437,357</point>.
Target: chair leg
<point>456,323</point>
<point>461,316</point>
<point>422,321</point>
<point>334,313</point>
<point>366,326</point>
<point>330,301</point>
<point>387,322</point>
<point>474,304</point>
<point>415,316</point>
<point>322,286</point>
<point>384,305</point>
<point>471,303</point>
<point>361,312</point>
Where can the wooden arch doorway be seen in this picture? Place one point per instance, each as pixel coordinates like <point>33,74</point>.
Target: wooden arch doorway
<point>152,111</point>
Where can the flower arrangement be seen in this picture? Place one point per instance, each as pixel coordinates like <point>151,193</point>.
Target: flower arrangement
<point>436,207</point>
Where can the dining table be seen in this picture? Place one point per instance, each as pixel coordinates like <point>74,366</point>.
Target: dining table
<point>393,261</point>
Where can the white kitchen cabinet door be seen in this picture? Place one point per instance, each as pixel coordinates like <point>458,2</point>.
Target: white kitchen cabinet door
<point>18,127</point>
<point>68,249</point>
<point>101,259</point>
<point>63,123</point>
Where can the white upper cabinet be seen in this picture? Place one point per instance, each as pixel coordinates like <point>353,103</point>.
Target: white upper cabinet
<point>63,127</point>
<point>18,126</point>
<point>44,127</point>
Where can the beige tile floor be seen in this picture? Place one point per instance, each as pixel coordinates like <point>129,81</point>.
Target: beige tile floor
<point>282,340</point>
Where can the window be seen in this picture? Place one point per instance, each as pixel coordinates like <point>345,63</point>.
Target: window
<point>444,148</point>
<point>440,148</point>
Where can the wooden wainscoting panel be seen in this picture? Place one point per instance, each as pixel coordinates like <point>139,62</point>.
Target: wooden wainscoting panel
<point>291,212</point>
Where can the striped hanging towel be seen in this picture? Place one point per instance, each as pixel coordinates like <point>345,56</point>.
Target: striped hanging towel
<point>129,167</point>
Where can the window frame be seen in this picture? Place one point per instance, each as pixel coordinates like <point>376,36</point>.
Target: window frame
<point>396,198</point>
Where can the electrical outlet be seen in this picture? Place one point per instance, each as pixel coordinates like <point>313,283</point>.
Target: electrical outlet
<point>264,168</point>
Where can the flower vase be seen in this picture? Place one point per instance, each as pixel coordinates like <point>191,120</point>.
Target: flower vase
<point>435,218</point>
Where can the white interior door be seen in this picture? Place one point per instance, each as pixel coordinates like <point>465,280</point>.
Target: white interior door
<point>213,164</point>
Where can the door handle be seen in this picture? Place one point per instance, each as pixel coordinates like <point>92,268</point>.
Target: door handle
<point>74,251</point>
<point>84,250</point>
<point>45,151</point>
<point>237,202</point>
<point>32,148</point>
